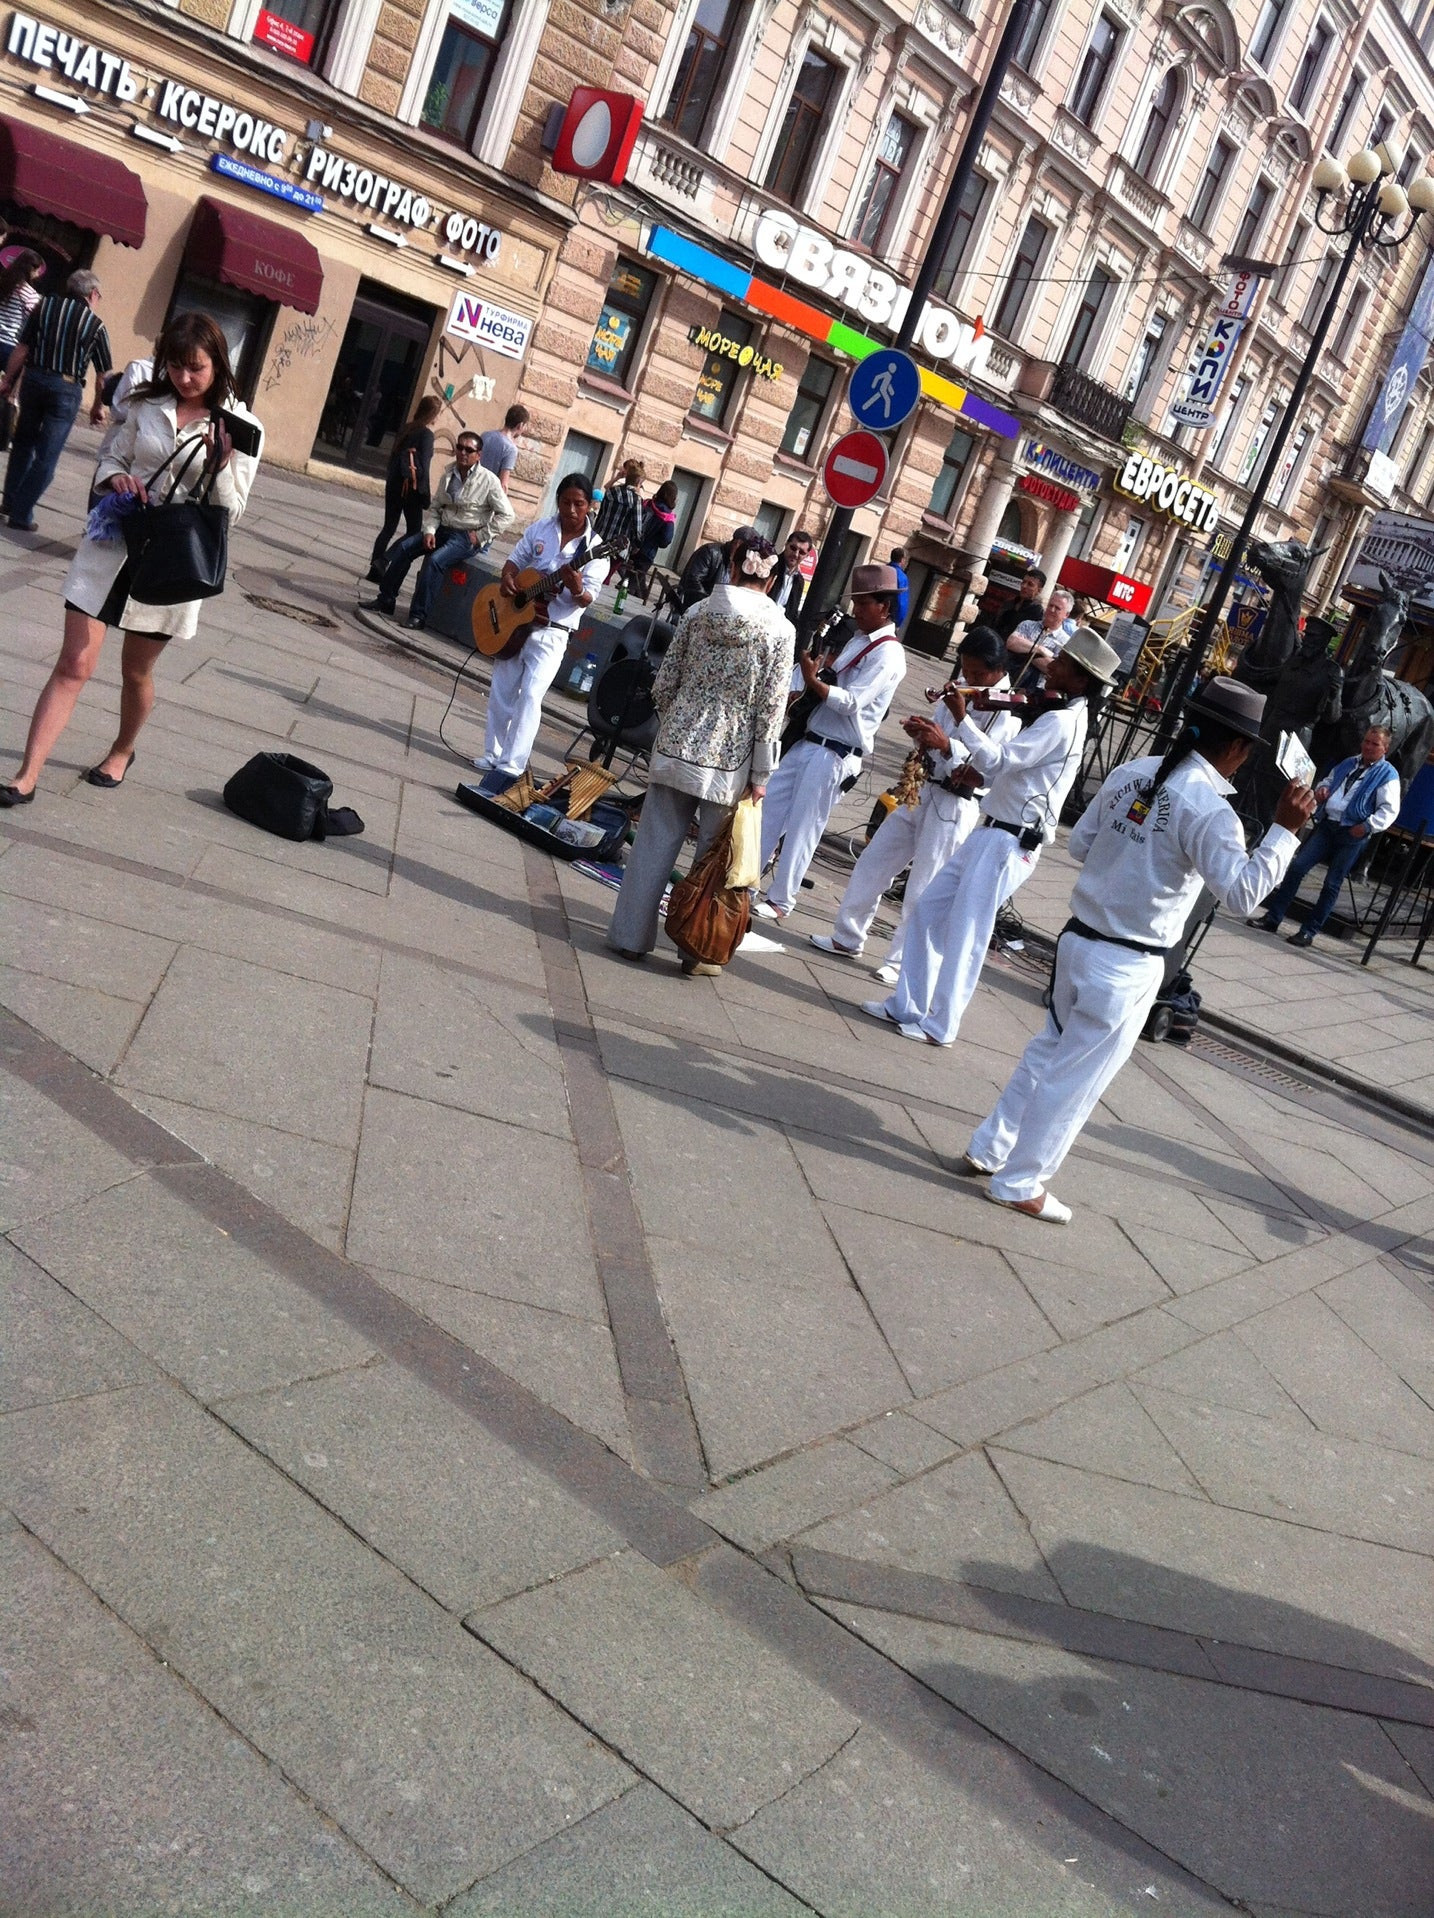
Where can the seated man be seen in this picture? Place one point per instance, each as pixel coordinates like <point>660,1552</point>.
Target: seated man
<point>1357,799</point>
<point>469,509</point>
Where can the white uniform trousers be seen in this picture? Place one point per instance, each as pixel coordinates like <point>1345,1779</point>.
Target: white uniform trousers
<point>1101,997</point>
<point>950,929</point>
<point>922,836</point>
<point>515,699</point>
<point>798,803</point>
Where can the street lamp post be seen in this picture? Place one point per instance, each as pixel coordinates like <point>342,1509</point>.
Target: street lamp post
<point>1369,217</point>
<point>824,579</point>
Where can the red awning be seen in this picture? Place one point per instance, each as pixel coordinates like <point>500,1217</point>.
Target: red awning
<point>226,243</point>
<point>72,182</point>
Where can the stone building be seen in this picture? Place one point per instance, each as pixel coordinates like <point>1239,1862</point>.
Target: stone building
<point>362,191</point>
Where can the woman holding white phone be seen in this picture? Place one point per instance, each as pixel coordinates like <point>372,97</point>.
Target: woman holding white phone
<point>170,431</point>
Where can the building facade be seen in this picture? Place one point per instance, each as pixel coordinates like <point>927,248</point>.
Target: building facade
<point>362,192</point>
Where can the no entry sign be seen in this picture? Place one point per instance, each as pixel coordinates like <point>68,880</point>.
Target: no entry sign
<point>855,469</point>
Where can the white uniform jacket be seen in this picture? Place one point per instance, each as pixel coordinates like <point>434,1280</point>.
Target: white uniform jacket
<point>543,547</point>
<point>140,445</point>
<point>1144,862</point>
<point>862,696</point>
<point>1030,774</point>
<point>998,728</point>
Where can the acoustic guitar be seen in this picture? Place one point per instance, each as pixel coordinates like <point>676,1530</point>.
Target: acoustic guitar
<point>501,621</point>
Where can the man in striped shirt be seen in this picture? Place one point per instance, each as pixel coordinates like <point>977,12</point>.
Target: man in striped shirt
<point>62,337</point>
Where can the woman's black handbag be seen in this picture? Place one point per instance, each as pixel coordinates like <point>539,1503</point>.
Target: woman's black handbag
<point>178,552</point>
<point>289,797</point>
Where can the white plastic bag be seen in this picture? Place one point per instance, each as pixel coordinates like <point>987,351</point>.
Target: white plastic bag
<point>744,868</point>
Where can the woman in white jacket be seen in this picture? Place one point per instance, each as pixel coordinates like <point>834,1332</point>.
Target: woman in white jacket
<point>172,414</point>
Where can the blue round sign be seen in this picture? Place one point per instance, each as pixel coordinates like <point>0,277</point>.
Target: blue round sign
<point>884,389</point>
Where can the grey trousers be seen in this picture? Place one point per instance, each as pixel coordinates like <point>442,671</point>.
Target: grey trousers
<point>666,815</point>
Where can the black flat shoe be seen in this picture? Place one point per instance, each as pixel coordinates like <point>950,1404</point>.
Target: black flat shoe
<point>94,777</point>
<point>12,796</point>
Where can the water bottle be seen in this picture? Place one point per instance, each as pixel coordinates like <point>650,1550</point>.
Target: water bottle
<point>587,673</point>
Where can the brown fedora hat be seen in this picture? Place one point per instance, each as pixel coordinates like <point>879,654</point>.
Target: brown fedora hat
<point>875,579</point>
<point>1228,702</point>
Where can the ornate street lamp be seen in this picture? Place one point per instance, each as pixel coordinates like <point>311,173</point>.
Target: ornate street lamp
<point>1362,202</point>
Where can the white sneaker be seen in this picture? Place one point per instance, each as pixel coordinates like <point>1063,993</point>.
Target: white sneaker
<point>888,974</point>
<point>876,1009</point>
<point>483,763</point>
<point>825,943</point>
<point>762,910</point>
<point>1047,1207</point>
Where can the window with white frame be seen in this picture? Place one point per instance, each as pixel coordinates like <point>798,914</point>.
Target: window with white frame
<point>1157,125</point>
<point>1285,483</point>
<point>954,464</point>
<point>1319,292</point>
<point>1212,183</point>
<point>1029,44</point>
<point>1232,413</point>
<point>1011,307</point>
<point>1257,442</point>
<point>702,66</point>
<point>1343,123</point>
<point>802,434</point>
<point>800,138</point>
<point>1265,39</point>
<point>463,68</point>
<point>1411,163</point>
<point>1097,64</point>
<point>1084,333</point>
<point>975,196</point>
<point>1348,330</point>
<point>1145,367</point>
<point>1252,220</point>
<point>302,30</point>
<point>1290,265</point>
<point>1311,66</point>
<point>1131,541</point>
<point>881,197</point>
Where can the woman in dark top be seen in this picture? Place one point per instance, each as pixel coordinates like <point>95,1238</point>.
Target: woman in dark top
<point>405,487</point>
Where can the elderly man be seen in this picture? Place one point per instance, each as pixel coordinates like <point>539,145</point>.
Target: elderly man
<point>852,700</point>
<point>1036,642</point>
<point>1357,799</point>
<point>62,338</point>
<point>469,508</point>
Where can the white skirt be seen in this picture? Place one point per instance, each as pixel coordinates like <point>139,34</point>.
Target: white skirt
<point>94,570</point>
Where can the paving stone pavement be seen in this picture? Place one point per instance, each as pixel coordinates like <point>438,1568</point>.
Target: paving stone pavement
<point>491,1430</point>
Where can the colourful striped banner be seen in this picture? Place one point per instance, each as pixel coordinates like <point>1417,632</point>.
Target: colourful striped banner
<point>738,284</point>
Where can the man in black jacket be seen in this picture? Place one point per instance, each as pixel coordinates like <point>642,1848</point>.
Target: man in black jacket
<point>708,566</point>
<point>788,587</point>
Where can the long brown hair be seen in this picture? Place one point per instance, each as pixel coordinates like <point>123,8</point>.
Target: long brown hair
<point>183,338</point>
<point>20,270</point>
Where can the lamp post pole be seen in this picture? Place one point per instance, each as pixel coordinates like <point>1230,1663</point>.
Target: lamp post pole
<point>1376,206</point>
<point>824,579</point>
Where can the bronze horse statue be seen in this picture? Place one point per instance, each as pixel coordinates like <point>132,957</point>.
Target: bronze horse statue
<point>1373,697</point>
<point>1303,686</point>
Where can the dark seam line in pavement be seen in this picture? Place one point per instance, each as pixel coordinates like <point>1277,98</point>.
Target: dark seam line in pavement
<point>1408,1275</point>
<point>654,1522</point>
<point>940,1736</point>
<point>1158,1648</point>
<point>1303,1202</point>
<point>642,1511</point>
<point>225,895</point>
<point>660,1417</point>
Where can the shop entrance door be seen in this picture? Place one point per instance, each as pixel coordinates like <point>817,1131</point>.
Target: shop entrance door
<point>375,380</point>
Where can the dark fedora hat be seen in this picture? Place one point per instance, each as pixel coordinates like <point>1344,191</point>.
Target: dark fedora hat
<point>1240,708</point>
<point>875,579</point>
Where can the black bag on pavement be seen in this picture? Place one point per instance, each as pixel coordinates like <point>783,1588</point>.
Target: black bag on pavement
<point>178,552</point>
<point>289,797</point>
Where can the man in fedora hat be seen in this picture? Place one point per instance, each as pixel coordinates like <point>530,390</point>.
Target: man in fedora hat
<point>1157,831</point>
<point>925,835</point>
<point>851,705</point>
<point>1029,776</point>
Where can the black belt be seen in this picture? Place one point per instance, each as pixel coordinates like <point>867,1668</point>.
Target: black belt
<point>1027,837</point>
<point>837,746</point>
<point>1083,931</point>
